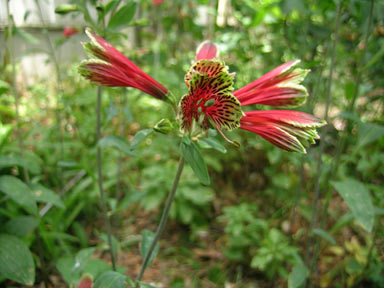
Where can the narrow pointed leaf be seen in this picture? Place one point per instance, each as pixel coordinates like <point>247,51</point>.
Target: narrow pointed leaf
<point>325,235</point>
<point>116,142</point>
<point>123,16</point>
<point>139,137</point>
<point>148,237</point>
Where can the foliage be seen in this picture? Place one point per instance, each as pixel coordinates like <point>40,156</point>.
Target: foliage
<point>262,197</point>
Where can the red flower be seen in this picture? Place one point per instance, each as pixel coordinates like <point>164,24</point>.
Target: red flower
<point>211,101</point>
<point>157,2</point>
<point>68,31</point>
<point>86,281</point>
<point>108,67</point>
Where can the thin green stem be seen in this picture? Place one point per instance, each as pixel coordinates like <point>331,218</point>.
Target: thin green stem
<point>342,140</point>
<point>310,238</point>
<point>123,123</point>
<point>163,220</point>
<point>100,178</point>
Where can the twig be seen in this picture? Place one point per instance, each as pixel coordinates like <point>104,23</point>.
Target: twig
<point>100,178</point>
<point>163,220</point>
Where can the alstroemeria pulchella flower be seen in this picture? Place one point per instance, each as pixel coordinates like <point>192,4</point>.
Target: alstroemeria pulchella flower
<point>109,67</point>
<point>211,102</point>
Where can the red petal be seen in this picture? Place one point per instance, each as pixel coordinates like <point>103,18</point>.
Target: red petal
<point>122,65</point>
<point>275,96</point>
<point>266,77</point>
<point>294,118</point>
<point>206,50</point>
<point>277,137</point>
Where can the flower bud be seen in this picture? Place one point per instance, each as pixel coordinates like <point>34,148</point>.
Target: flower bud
<point>66,8</point>
<point>164,126</point>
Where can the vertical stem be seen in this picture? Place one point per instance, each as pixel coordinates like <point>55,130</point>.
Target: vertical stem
<point>322,143</point>
<point>100,178</point>
<point>342,140</point>
<point>163,220</point>
<point>120,160</point>
<point>18,132</point>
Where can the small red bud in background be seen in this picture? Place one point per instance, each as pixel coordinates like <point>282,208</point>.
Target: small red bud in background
<point>157,2</point>
<point>69,31</point>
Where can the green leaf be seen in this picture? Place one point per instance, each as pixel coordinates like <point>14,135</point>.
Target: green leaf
<point>26,36</point>
<point>16,262</point>
<point>116,142</point>
<point>139,137</point>
<point>368,133</point>
<point>358,199</point>
<point>19,192</point>
<point>45,195</point>
<point>214,144</point>
<point>4,87</point>
<point>324,234</point>
<point>64,265</point>
<point>7,161</point>
<point>297,276</point>
<point>21,226</point>
<point>148,237</point>
<point>193,157</point>
<point>110,280</point>
<point>123,16</point>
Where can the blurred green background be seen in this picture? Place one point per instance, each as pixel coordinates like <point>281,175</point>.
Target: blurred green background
<point>269,219</point>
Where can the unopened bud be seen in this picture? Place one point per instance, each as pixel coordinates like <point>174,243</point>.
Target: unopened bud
<point>66,8</point>
<point>164,126</point>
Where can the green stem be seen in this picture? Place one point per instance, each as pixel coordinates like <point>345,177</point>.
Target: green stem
<point>322,144</point>
<point>163,220</point>
<point>100,178</point>
<point>342,140</point>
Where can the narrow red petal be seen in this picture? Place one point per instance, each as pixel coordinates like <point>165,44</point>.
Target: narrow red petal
<point>277,137</point>
<point>266,77</point>
<point>122,65</point>
<point>294,118</point>
<point>275,96</point>
<point>206,50</point>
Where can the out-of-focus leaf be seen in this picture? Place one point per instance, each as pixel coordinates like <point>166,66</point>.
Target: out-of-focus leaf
<point>123,16</point>
<point>21,226</point>
<point>26,36</point>
<point>16,160</point>
<point>110,279</point>
<point>115,243</point>
<point>139,137</point>
<point>213,143</point>
<point>116,142</point>
<point>297,276</point>
<point>358,199</point>
<point>325,235</point>
<point>368,133</point>
<point>16,262</point>
<point>45,195</point>
<point>19,192</point>
<point>4,87</point>
<point>193,157</point>
<point>146,242</point>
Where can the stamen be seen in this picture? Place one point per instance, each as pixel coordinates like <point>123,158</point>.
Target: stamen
<point>234,143</point>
